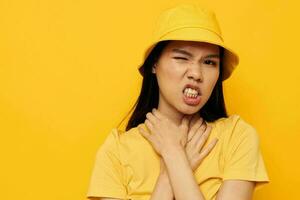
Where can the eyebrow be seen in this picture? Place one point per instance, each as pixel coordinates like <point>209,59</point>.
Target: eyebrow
<point>191,55</point>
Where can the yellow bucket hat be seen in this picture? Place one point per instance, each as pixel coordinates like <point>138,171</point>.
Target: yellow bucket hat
<point>191,22</point>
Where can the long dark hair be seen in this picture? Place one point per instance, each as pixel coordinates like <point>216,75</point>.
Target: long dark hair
<point>213,109</point>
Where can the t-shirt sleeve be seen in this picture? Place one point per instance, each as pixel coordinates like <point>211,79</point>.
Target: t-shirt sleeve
<point>243,159</point>
<point>107,178</point>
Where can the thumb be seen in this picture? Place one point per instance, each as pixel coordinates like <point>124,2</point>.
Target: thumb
<point>186,120</point>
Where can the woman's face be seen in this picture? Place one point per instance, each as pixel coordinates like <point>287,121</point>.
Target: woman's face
<point>182,63</point>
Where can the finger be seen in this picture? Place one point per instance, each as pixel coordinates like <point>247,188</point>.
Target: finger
<point>199,132</point>
<point>194,128</point>
<point>203,138</point>
<point>145,133</point>
<point>208,149</point>
<point>151,118</point>
<point>186,120</point>
<point>157,114</point>
<point>190,119</point>
<point>149,124</point>
<point>202,132</point>
<point>194,119</point>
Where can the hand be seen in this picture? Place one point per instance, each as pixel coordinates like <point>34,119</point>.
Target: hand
<point>198,133</point>
<point>163,168</point>
<point>164,132</point>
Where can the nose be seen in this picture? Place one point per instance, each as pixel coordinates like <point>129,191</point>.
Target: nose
<point>195,72</point>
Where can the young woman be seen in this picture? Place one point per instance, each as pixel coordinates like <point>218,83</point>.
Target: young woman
<point>179,142</point>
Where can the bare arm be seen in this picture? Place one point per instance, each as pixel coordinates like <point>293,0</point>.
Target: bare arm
<point>181,175</point>
<point>163,189</point>
<point>235,190</point>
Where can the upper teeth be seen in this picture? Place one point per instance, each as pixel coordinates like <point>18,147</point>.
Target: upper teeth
<point>190,91</point>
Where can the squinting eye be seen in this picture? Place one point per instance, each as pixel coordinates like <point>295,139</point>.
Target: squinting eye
<point>180,58</point>
<point>210,62</point>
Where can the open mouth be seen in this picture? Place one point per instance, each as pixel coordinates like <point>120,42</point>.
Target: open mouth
<point>190,93</point>
<point>191,96</point>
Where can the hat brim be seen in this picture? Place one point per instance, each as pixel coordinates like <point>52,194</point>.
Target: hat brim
<point>198,34</point>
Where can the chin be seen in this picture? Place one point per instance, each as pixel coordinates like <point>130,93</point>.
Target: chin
<point>190,110</point>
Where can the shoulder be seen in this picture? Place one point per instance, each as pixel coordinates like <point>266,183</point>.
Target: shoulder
<point>119,136</point>
<point>231,122</point>
<point>131,136</point>
<point>126,141</point>
<point>234,124</point>
<point>236,132</point>
<point>241,128</point>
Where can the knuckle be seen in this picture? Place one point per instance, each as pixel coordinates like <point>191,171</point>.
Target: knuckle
<point>210,146</point>
<point>147,121</point>
<point>207,130</point>
<point>201,141</point>
<point>205,134</point>
<point>202,156</point>
<point>203,127</point>
<point>205,152</point>
<point>184,125</point>
<point>201,120</point>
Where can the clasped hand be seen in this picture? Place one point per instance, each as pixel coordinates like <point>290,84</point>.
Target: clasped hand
<point>191,134</point>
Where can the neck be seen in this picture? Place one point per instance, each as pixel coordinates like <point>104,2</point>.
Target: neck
<point>171,113</point>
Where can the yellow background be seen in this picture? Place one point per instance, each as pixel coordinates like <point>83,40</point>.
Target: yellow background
<point>68,75</point>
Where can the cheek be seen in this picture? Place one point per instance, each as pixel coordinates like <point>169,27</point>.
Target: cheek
<point>177,68</point>
<point>215,77</point>
<point>168,81</point>
<point>212,79</point>
<point>169,72</point>
<point>172,67</point>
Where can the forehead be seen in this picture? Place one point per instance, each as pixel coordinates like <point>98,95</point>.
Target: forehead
<point>192,46</point>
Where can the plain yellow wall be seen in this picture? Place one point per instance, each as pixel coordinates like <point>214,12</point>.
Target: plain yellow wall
<point>68,75</point>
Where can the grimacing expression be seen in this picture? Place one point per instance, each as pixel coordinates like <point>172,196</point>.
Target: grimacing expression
<point>186,62</point>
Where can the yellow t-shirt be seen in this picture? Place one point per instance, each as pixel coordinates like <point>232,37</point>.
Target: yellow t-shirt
<point>127,167</point>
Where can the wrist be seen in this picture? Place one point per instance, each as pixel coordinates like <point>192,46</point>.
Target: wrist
<point>164,175</point>
<point>172,150</point>
<point>165,180</point>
